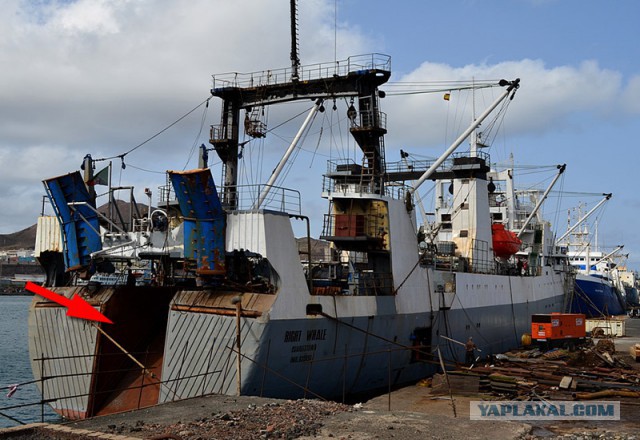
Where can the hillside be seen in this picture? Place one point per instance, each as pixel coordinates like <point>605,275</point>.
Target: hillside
<point>24,239</point>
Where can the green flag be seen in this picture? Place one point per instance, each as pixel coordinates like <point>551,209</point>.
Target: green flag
<point>102,178</point>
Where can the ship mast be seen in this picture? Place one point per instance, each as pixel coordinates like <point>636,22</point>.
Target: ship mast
<point>295,59</point>
<point>587,215</point>
<point>512,85</point>
<point>357,77</point>
<point>561,169</point>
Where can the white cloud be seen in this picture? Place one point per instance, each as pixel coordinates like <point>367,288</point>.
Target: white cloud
<point>630,98</point>
<point>547,100</point>
<point>97,17</point>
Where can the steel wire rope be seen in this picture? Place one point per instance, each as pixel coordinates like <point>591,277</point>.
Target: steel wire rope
<point>513,311</point>
<point>583,295</point>
<point>478,332</point>
<point>331,137</point>
<point>446,123</point>
<point>442,89</point>
<point>195,141</point>
<point>344,120</point>
<point>534,187</point>
<point>491,124</point>
<point>261,147</point>
<point>313,156</point>
<point>111,390</point>
<point>369,333</point>
<point>122,156</point>
<point>556,217</point>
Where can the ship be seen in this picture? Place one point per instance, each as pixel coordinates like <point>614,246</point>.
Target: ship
<point>599,290</point>
<point>209,291</point>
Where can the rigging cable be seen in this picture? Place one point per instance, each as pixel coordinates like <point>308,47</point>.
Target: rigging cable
<point>131,150</point>
<point>195,141</point>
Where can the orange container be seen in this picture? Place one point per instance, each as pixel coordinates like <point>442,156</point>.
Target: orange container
<point>556,326</point>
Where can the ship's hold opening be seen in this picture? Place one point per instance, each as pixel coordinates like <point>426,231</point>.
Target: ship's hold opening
<point>120,384</point>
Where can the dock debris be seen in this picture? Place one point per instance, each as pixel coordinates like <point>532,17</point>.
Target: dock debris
<point>589,372</point>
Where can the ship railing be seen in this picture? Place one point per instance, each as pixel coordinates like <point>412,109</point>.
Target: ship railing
<point>221,133</point>
<point>362,283</point>
<point>483,260</point>
<point>521,215</point>
<point>166,195</point>
<point>369,119</point>
<point>353,64</point>
<point>279,199</point>
<point>410,166</point>
<point>370,283</point>
<point>346,187</point>
<point>346,176</point>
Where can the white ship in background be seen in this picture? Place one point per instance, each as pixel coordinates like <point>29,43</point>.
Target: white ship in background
<point>599,287</point>
<point>207,292</point>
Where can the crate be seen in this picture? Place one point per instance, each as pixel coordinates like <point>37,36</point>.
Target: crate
<point>611,327</point>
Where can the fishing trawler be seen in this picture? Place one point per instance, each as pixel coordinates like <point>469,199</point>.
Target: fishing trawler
<point>599,289</point>
<point>208,293</point>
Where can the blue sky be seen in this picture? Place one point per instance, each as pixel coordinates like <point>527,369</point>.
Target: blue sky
<point>101,76</point>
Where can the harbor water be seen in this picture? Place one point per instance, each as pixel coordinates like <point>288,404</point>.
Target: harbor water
<point>23,405</point>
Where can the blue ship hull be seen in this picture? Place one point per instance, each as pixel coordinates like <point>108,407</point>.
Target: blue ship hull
<point>595,297</point>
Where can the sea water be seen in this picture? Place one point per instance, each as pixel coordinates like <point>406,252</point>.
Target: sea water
<point>24,405</point>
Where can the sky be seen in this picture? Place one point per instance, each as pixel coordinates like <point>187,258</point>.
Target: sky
<point>101,77</point>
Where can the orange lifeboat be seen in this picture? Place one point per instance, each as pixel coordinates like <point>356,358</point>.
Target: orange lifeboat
<point>505,243</point>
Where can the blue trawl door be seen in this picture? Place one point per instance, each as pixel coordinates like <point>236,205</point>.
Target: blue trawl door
<point>204,222</point>
<point>75,210</point>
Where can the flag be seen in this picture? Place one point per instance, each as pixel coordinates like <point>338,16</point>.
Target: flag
<point>447,96</point>
<point>102,178</point>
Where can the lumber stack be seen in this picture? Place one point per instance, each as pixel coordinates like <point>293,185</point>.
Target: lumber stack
<point>589,373</point>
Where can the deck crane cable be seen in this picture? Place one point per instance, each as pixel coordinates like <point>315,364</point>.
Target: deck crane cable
<point>433,90</point>
<point>489,132</point>
<point>556,218</point>
<point>195,141</point>
<point>538,184</point>
<point>122,156</point>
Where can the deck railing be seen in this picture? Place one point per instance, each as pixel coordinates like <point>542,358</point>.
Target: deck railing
<point>375,61</point>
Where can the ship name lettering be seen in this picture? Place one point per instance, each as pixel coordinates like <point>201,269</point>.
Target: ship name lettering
<point>317,335</point>
<point>292,335</point>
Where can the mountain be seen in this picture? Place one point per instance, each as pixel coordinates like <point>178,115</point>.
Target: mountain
<point>24,239</point>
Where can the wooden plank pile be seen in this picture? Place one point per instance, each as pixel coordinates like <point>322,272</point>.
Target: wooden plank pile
<point>588,373</point>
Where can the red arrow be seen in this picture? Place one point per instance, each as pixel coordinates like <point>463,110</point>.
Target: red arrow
<point>76,306</point>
